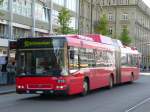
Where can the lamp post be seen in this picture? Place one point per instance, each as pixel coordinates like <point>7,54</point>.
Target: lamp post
<point>91,16</point>
<point>33,17</point>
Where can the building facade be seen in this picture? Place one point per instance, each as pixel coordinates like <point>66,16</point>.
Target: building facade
<point>24,18</point>
<point>133,15</point>
<point>28,18</point>
<point>89,12</point>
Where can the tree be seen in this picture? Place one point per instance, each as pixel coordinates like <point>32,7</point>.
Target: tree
<point>1,1</point>
<point>102,26</point>
<point>125,38</point>
<point>64,19</point>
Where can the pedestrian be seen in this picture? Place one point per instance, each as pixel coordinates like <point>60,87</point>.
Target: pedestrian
<point>4,71</point>
<point>11,72</point>
<point>144,68</point>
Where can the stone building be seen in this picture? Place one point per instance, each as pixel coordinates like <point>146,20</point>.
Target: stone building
<point>23,18</point>
<point>133,15</point>
<point>88,13</point>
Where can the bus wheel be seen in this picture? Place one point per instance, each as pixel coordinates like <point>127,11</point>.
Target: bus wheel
<point>43,95</point>
<point>85,88</point>
<point>110,82</point>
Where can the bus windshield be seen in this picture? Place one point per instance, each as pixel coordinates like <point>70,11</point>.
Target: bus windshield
<point>41,61</point>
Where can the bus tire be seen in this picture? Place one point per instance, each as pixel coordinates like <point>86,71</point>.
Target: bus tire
<point>110,82</point>
<point>85,88</point>
<point>43,95</point>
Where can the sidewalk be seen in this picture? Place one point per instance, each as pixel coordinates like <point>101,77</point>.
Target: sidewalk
<point>5,89</point>
<point>145,73</point>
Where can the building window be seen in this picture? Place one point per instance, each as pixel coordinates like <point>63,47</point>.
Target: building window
<point>22,7</point>
<point>114,1</point>
<point>121,2</point>
<point>55,17</point>
<point>41,12</point>
<point>110,17</point>
<point>110,30</point>
<point>108,2</point>
<point>127,2</point>
<point>71,5</point>
<point>2,30</point>
<point>73,23</point>
<point>20,33</point>
<point>124,27</point>
<point>40,34</point>
<point>103,2</point>
<point>4,5</point>
<point>124,16</point>
<point>59,2</point>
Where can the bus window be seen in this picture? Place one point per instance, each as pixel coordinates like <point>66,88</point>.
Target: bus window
<point>83,58</point>
<point>90,57</point>
<point>124,59</point>
<point>41,62</point>
<point>73,59</point>
<point>72,54</point>
<point>21,63</point>
<point>99,58</point>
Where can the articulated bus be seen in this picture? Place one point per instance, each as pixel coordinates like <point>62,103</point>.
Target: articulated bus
<point>73,64</point>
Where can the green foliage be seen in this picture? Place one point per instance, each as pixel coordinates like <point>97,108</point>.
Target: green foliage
<point>102,26</point>
<point>125,38</point>
<point>64,19</point>
<point>1,1</point>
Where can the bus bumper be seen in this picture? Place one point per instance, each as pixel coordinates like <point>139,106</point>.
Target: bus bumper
<point>55,92</point>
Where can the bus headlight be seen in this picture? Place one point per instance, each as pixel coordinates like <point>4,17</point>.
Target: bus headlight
<point>59,87</point>
<point>20,87</point>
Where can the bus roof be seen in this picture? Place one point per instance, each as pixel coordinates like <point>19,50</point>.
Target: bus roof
<point>94,38</point>
<point>90,37</point>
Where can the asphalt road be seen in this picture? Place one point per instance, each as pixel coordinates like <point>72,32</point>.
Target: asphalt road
<point>124,98</point>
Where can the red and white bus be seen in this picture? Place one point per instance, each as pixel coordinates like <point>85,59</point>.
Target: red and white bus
<point>73,64</point>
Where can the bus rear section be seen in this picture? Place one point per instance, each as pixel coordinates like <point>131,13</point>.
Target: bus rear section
<point>130,63</point>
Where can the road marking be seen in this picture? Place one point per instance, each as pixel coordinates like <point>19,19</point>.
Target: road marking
<point>138,105</point>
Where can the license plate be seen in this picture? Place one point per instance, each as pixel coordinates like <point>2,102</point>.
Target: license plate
<point>39,92</point>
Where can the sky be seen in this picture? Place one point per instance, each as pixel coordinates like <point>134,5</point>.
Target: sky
<point>147,2</point>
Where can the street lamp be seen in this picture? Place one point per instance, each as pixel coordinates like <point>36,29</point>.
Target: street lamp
<point>91,16</point>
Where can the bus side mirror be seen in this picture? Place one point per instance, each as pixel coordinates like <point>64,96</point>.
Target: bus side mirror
<point>71,54</point>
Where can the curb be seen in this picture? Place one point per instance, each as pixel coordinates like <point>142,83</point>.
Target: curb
<point>145,74</point>
<point>7,92</point>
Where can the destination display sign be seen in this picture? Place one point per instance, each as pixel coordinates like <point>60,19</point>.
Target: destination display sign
<point>27,43</point>
<point>34,43</point>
